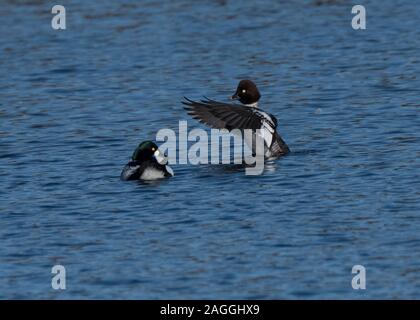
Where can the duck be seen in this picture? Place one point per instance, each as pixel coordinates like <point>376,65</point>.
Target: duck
<point>246,115</point>
<point>146,163</point>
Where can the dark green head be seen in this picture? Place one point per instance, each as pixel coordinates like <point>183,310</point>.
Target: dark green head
<point>145,151</point>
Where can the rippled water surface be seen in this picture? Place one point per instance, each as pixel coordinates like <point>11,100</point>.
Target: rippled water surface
<point>75,103</point>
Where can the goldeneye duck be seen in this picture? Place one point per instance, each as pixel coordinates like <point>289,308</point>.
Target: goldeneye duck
<point>147,163</point>
<point>242,116</point>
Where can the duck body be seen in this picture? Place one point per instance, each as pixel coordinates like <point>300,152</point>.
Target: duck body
<point>246,115</point>
<point>147,163</point>
<point>145,170</point>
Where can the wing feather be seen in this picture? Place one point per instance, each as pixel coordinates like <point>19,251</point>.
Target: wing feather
<point>227,116</point>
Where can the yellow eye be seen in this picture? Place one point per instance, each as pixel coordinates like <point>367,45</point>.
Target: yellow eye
<point>243,91</point>
<point>153,149</point>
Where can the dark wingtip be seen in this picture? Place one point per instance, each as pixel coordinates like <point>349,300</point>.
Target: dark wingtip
<point>208,100</point>
<point>188,102</point>
<point>188,99</point>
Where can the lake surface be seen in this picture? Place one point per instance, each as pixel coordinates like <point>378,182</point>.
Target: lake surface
<point>75,103</point>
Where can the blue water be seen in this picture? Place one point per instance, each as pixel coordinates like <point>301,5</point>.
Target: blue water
<point>74,104</point>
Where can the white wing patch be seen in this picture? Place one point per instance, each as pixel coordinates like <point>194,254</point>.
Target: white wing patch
<point>267,133</point>
<point>267,128</point>
<point>267,118</point>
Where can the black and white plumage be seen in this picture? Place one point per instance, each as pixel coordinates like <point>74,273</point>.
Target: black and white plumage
<point>147,163</point>
<point>145,170</point>
<point>220,115</point>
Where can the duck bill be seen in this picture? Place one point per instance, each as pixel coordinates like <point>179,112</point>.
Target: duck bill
<point>235,96</point>
<point>160,157</point>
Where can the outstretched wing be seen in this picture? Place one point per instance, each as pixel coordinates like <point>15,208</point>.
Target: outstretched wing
<point>221,115</point>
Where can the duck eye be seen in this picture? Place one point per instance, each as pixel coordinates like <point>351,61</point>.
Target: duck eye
<point>243,90</point>
<point>153,149</point>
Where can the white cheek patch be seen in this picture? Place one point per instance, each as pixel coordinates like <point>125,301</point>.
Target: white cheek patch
<point>160,158</point>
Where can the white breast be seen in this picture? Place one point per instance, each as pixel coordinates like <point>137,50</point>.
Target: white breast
<point>152,174</point>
